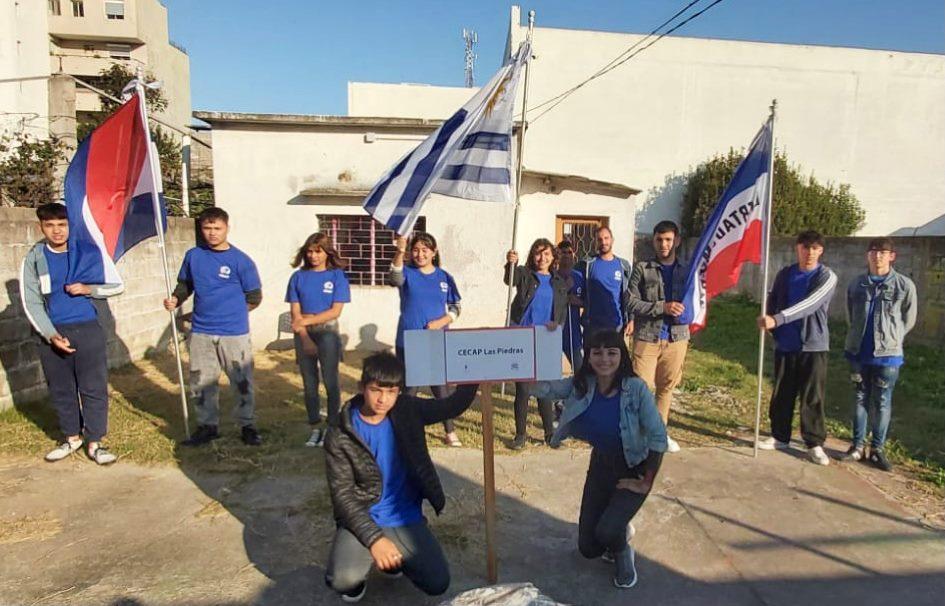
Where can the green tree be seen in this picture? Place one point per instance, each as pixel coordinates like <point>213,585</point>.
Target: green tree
<point>800,202</point>
<point>27,169</point>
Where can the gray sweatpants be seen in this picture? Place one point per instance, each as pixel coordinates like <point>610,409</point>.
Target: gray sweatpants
<point>209,354</point>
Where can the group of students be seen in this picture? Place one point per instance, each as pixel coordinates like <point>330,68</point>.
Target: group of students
<point>379,469</point>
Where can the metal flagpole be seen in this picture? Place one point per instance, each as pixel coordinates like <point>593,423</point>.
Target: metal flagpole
<point>518,179</point>
<point>768,218</point>
<point>139,88</point>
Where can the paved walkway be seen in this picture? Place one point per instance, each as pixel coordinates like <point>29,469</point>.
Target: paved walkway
<point>721,528</point>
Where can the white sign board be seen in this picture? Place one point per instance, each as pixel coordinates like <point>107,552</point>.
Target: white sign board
<point>437,357</point>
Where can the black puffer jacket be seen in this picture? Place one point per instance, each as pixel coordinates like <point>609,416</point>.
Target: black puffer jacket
<point>354,479</point>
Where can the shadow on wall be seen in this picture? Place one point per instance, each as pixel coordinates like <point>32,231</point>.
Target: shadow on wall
<point>662,202</point>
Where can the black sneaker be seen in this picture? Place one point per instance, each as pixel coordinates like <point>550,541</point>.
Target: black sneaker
<point>250,436</point>
<point>878,458</point>
<point>354,596</point>
<point>518,443</point>
<point>854,453</point>
<point>203,435</point>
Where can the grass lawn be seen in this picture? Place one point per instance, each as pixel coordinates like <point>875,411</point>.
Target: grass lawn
<point>715,405</point>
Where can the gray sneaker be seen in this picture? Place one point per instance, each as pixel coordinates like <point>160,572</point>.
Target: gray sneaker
<point>626,576</point>
<point>102,456</point>
<point>63,450</point>
<point>317,439</point>
<point>854,453</point>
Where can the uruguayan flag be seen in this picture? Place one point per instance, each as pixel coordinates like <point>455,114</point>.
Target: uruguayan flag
<point>469,156</point>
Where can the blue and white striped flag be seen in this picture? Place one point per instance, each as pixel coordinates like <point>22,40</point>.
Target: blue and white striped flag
<point>469,156</point>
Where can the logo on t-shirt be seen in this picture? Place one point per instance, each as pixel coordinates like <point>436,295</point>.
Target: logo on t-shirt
<point>617,275</point>
<point>224,272</point>
<point>329,287</point>
<point>444,287</point>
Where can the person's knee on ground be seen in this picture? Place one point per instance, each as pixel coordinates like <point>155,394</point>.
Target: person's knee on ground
<point>434,584</point>
<point>589,547</point>
<point>611,534</point>
<point>342,580</point>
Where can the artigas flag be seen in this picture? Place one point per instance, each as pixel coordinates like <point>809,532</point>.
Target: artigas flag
<point>109,195</point>
<point>733,234</point>
<point>469,156</point>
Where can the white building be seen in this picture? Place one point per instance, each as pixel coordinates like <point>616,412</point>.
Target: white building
<point>24,68</point>
<point>873,119</point>
<point>282,178</point>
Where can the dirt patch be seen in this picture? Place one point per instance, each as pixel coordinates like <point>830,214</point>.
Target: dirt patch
<point>29,528</point>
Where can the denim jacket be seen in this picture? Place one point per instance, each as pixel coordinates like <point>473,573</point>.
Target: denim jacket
<point>646,297</point>
<point>641,427</point>
<point>893,316</point>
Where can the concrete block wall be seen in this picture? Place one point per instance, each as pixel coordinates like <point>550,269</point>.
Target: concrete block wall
<point>134,321</point>
<point>922,258</point>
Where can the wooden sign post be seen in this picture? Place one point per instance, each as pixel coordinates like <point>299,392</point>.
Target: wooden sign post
<point>483,355</point>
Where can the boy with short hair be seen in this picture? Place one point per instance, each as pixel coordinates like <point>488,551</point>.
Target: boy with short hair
<point>796,314</point>
<point>881,308</point>
<point>226,287</point>
<point>72,354</point>
<point>379,473</point>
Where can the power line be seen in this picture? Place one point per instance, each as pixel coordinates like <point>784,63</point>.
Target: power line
<point>621,59</point>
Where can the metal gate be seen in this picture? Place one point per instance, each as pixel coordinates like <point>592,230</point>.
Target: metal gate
<point>581,231</point>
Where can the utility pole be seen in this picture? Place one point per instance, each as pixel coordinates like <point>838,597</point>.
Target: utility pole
<point>471,38</point>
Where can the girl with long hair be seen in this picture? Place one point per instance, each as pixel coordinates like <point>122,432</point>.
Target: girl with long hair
<point>316,294</point>
<point>541,299</point>
<point>429,300</point>
<point>609,407</point>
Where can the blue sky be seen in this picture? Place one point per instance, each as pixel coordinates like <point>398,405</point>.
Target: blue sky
<point>296,56</point>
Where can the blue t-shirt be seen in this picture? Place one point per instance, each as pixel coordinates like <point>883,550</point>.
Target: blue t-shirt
<point>868,344</point>
<point>221,279</point>
<point>603,294</point>
<point>317,291</point>
<point>599,425</point>
<point>571,339</point>
<point>401,501</point>
<point>666,271</point>
<point>423,298</point>
<point>787,337</point>
<point>62,307</point>
<point>540,308</point>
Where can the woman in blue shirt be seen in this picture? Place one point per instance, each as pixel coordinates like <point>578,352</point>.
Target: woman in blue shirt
<point>541,299</point>
<point>316,294</point>
<point>609,407</point>
<point>429,300</point>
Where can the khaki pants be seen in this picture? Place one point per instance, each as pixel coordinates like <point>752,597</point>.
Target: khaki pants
<point>660,365</point>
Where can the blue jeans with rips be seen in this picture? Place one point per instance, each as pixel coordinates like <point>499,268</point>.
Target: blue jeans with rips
<point>873,387</point>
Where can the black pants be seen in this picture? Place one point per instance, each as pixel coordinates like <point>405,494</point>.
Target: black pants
<point>800,375</point>
<point>605,509</point>
<point>439,392</point>
<point>545,410</point>
<point>78,382</point>
<point>424,563</point>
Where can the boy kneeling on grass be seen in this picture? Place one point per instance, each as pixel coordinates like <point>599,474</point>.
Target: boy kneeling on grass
<point>379,473</point>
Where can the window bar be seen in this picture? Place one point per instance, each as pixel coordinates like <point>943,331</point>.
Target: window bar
<point>373,246</point>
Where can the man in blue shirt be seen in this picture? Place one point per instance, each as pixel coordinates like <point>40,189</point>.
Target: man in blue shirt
<point>604,280</point>
<point>881,308</point>
<point>797,312</point>
<point>379,474</point>
<point>72,352</point>
<point>226,287</point>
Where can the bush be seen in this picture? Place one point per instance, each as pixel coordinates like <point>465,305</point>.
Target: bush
<point>799,202</point>
<point>28,169</point>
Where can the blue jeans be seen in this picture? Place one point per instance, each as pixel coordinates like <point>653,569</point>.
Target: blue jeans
<point>873,386</point>
<point>328,357</point>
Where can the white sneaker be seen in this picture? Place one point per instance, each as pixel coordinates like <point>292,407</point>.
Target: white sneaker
<point>672,445</point>
<point>63,450</point>
<point>770,443</point>
<point>102,456</point>
<point>317,438</point>
<point>817,455</point>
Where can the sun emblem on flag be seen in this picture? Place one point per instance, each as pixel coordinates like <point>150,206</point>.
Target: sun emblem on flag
<point>497,95</point>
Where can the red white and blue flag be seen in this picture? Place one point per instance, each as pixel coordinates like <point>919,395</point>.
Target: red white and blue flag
<point>109,191</point>
<point>733,234</point>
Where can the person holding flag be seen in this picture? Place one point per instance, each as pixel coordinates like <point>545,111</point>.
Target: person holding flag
<point>72,353</point>
<point>796,314</point>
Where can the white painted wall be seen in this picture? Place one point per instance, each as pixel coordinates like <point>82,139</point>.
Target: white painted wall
<point>270,220</point>
<point>874,119</point>
<point>24,51</point>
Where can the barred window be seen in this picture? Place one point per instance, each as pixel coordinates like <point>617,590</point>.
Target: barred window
<point>365,244</point>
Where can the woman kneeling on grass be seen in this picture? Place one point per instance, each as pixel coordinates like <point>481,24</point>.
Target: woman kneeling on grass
<point>607,406</point>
